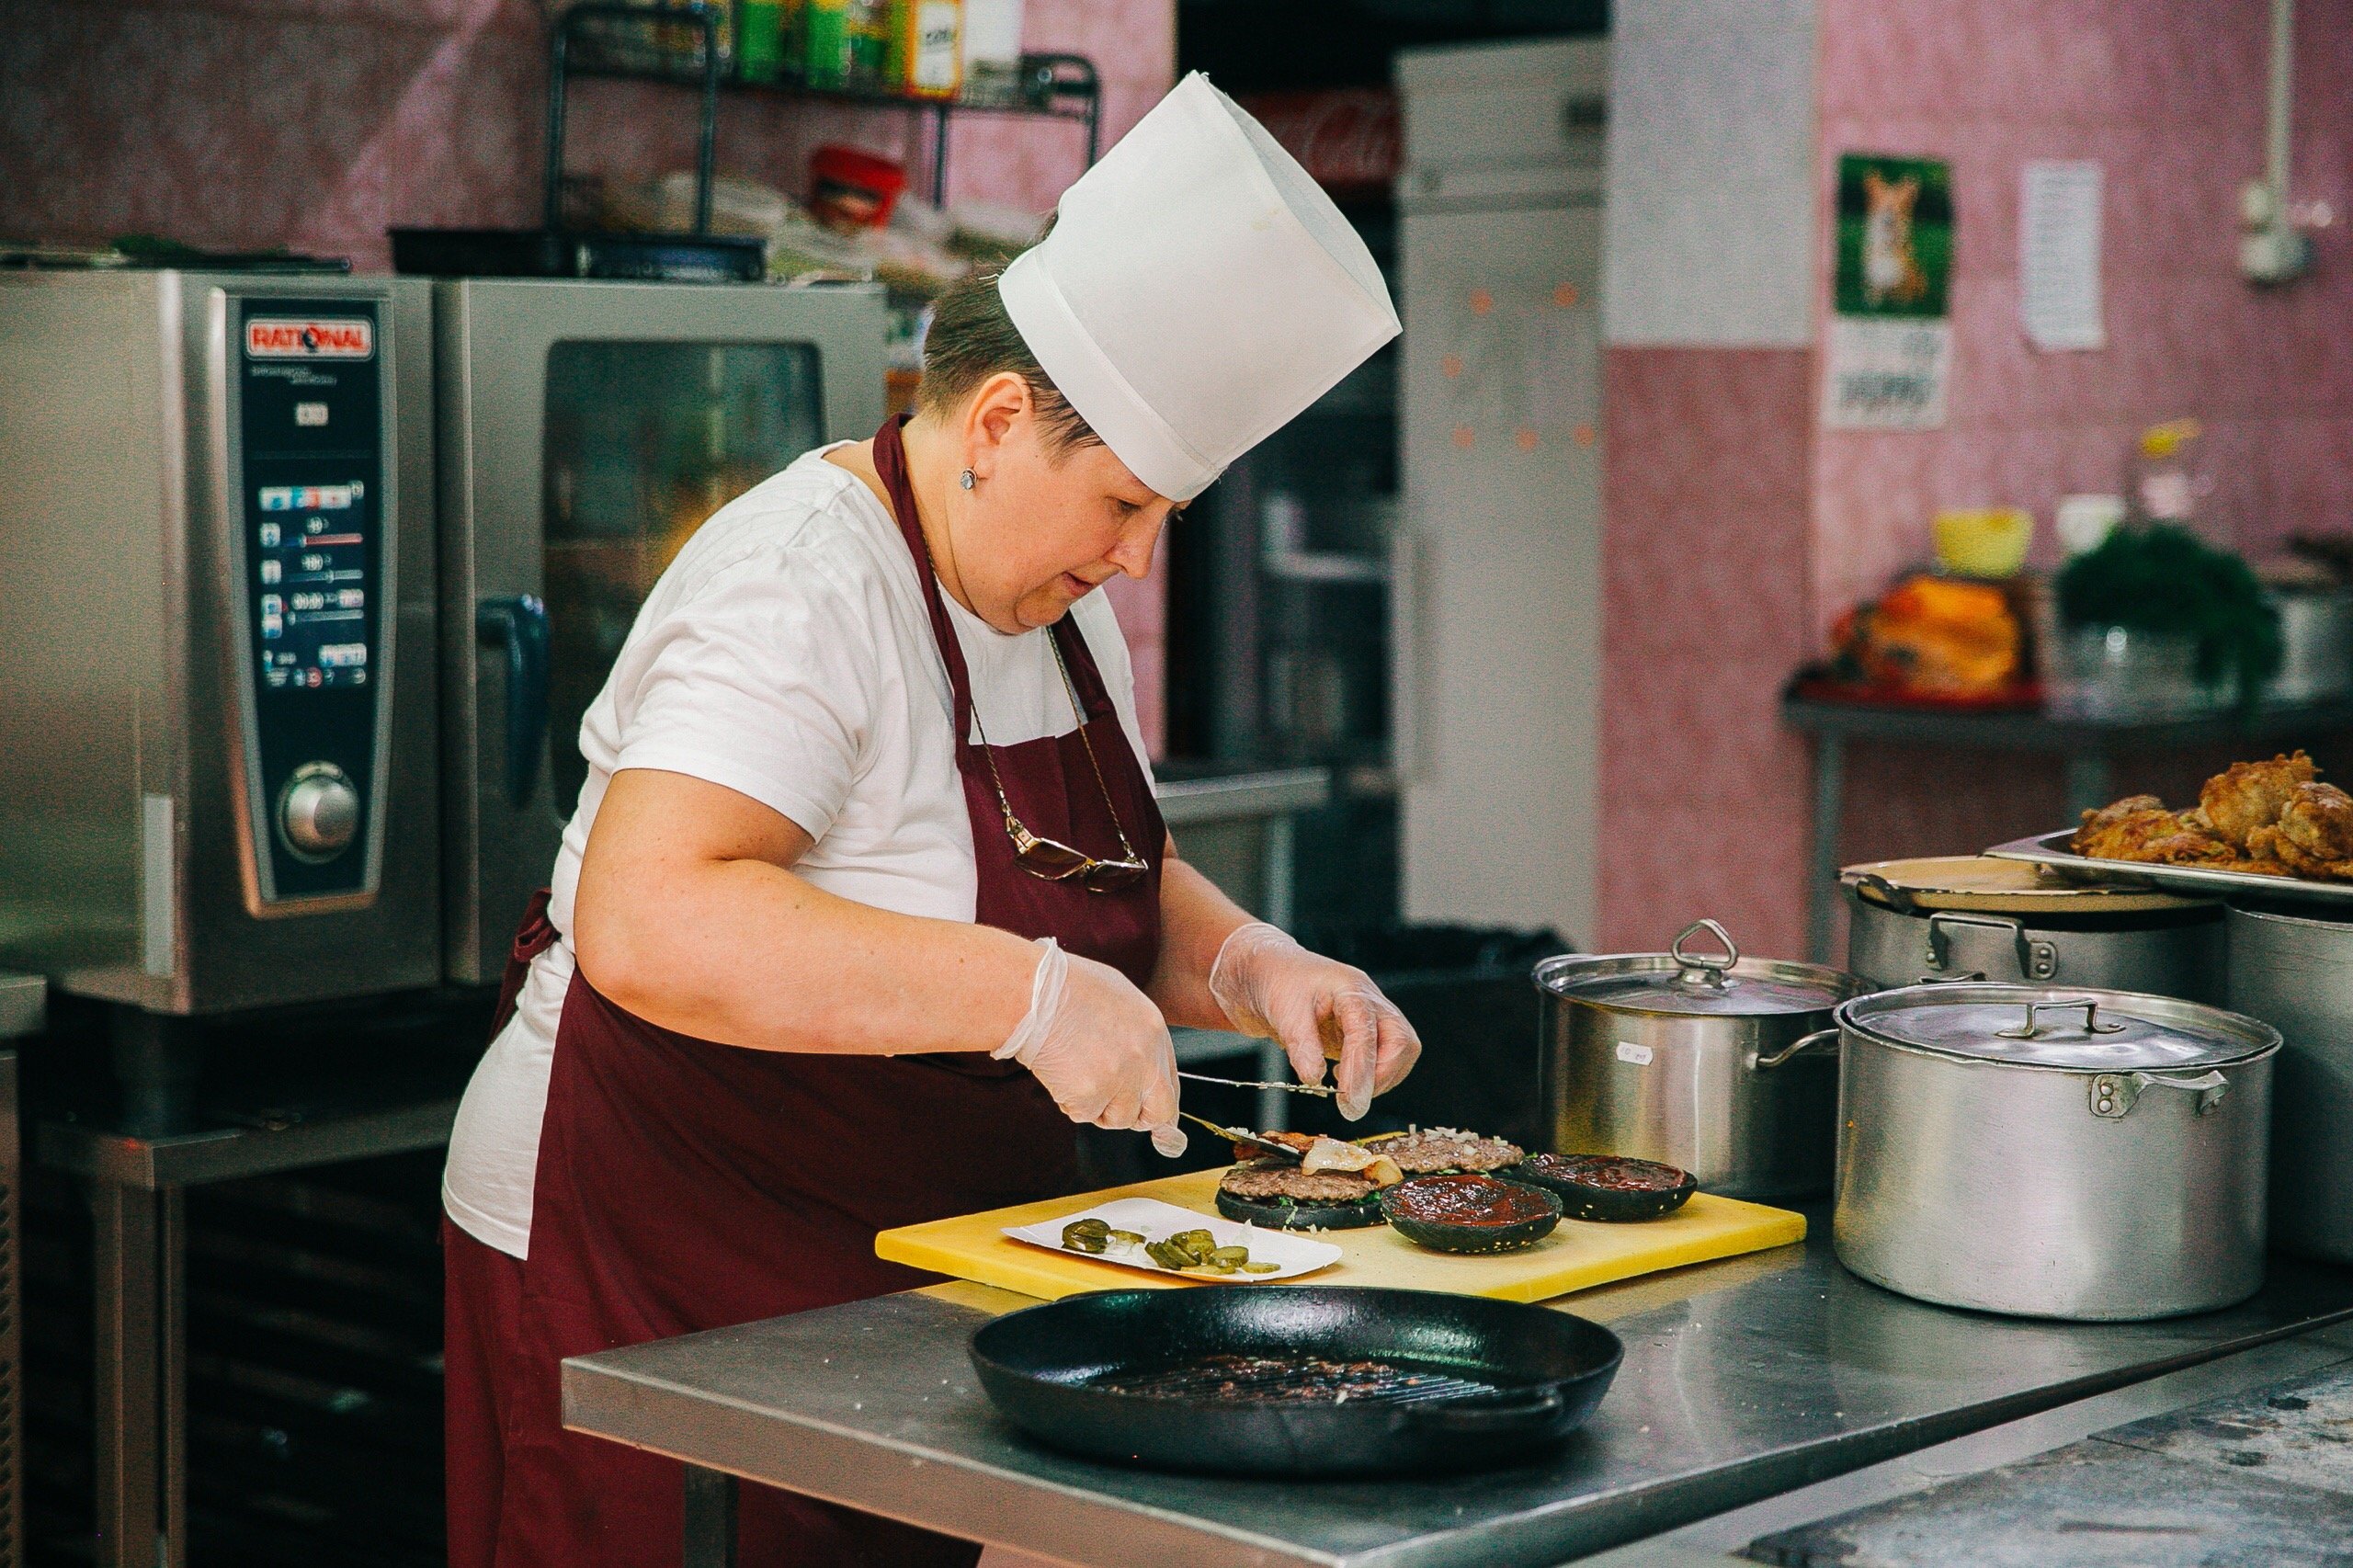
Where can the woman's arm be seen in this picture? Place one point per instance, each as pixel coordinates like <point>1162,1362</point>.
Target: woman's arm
<point>1195,921</point>
<point>1264,984</point>
<point>688,914</point>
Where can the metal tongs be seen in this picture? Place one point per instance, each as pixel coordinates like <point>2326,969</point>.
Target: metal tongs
<point>1325,1089</point>
<point>1238,1135</point>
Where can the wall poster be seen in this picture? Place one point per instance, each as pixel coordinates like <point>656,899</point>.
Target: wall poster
<point>1890,348</point>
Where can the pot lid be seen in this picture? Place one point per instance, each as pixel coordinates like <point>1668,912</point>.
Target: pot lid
<point>1683,980</point>
<point>2079,1030</point>
<point>1993,886</point>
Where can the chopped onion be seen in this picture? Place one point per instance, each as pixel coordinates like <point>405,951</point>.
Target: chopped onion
<point>1331,1155</point>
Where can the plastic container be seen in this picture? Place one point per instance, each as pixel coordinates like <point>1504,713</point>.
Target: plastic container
<point>1985,542</point>
<point>2119,672</point>
<point>852,189</point>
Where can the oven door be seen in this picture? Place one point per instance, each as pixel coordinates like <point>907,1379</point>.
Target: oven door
<point>586,430</point>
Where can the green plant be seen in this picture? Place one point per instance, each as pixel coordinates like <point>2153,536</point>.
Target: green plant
<point>2159,577</point>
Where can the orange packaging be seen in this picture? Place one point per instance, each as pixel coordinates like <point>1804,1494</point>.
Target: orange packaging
<point>926,56</point>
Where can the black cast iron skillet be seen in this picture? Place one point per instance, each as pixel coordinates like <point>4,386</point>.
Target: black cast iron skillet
<point>1471,1383</point>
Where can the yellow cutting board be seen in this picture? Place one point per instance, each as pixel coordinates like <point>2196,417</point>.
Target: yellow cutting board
<point>1576,1256</point>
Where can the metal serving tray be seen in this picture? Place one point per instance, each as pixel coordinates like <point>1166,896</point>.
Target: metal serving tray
<point>2050,850</point>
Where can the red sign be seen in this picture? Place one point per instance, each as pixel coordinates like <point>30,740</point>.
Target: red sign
<point>1347,139</point>
<point>276,337</point>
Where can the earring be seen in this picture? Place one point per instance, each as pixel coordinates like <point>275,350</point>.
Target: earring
<point>965,478</point>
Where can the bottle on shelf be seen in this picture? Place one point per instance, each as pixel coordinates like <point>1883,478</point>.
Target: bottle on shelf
<point>2165,477</point>
<point>760,40</point>
<point>927,55</point>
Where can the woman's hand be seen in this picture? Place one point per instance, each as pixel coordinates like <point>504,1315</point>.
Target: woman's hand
<point>1319,1009</point>
<point>1100,1047</point>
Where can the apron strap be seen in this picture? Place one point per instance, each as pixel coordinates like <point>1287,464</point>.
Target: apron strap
<point>891,464</point>
<point>535,936</point>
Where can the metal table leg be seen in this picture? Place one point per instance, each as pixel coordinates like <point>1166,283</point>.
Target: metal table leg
<point>711,1518</point>
<point>2090,783</point>
<point>1829,807</point>
<point>140,1340</point>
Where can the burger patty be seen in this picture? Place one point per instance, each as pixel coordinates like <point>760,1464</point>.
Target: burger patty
<point>1447,1149</point>
<point>1264,1180</point>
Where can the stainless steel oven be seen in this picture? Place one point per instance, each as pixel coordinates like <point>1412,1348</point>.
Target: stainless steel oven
<point>586,430</point>
<point>273,730</point>
<point>217,636</point>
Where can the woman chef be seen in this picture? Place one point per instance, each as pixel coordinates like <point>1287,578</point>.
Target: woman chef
<point>867,902</point>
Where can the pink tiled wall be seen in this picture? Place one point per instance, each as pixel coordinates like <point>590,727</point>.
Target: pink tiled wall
<point>1704,465</point>
<point>319,123</point>
<point>2169,95</point>
<point>1706,804</point>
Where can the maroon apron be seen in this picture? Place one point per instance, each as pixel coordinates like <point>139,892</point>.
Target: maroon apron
<point>684,1185</point>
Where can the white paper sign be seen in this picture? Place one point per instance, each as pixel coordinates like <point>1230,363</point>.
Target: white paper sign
<point>1886,374</point>
<point>2058,301</point>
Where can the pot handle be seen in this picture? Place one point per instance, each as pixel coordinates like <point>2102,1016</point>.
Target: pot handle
<point>1702,969</point>
<point>1811,1043</point>
<point>2115,1094</point>
<point>2038,960</point>
<point>2031,1030</point>
<point>1522,1410</point>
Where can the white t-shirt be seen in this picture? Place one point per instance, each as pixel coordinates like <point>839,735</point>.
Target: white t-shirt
<point>787,655</point>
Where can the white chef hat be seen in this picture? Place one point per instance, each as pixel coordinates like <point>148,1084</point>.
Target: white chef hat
<point>1197,291</point>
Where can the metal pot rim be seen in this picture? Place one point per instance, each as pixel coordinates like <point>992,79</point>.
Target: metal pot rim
<point>2282,917</point>
<point>2263,1041</point>
<point>1556,976</point>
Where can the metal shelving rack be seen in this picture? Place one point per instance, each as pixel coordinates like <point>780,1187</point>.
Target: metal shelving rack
<point>1047,87</point>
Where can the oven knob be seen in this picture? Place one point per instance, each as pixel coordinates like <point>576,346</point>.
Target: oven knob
<point>319,812</point>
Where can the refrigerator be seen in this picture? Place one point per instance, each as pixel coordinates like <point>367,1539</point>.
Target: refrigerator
<point>1496,562</point>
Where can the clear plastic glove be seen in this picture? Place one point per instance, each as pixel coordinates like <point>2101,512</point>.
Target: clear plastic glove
<point>1319,1009</point>
<point>1100,1046</point>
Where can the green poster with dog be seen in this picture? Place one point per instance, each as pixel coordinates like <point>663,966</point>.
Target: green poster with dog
<point>1894,237</point>
<point>1889,348</point>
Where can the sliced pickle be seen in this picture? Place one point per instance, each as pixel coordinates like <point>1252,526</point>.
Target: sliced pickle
<point>1090,1236</point>
<point>1168,1255</point>
<point>1262,1268</point>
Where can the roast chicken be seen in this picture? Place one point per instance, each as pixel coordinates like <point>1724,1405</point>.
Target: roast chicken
<point>2274,818</point>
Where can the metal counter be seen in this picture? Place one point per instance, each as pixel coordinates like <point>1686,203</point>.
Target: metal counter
<point>1742,1379</point>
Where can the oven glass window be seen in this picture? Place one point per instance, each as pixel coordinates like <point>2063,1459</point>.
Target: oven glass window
<point>644,441</point>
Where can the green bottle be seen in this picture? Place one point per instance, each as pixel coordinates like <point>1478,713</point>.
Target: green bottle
<point>759,40</point>
<point>826,31</point>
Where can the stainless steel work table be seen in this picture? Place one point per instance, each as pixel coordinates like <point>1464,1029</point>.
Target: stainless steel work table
<point>1743,1380</point>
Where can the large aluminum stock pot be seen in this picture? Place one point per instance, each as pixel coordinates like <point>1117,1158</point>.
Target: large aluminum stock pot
<point>1972,917</point>
<point>1691,1058</point>
<point>2295,973</point>
<point>2052,1153</point>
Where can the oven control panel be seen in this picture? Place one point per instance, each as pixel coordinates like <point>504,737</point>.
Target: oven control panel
<point>309,410</point>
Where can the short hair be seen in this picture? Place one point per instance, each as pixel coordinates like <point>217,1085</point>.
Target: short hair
<point>972,337</point>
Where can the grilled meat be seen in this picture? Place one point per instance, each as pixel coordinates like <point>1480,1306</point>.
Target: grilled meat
<point>2273,818</point>
<point>1430,1149</point>
<point>1264,1181</point>
<point>2249,795</point>
<point>2139,828</point>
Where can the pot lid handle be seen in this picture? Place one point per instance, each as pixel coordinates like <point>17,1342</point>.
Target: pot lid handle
<point>2028,1030</point>
<point>1702,969</point>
